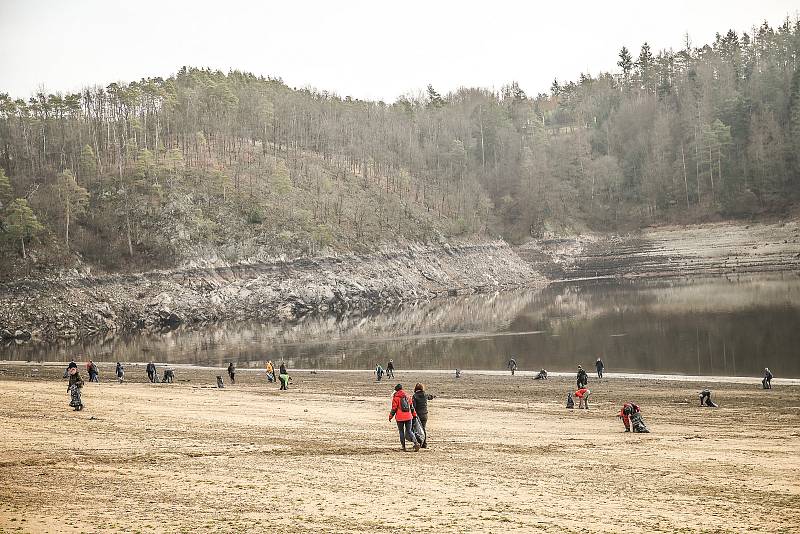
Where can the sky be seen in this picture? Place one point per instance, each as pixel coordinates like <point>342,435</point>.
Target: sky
<point>365,49</point>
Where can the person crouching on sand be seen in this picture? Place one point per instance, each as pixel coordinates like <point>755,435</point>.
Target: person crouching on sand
<point>403,410</point>
<point>628,409</point>
<point>74,387</point>
<point>705,399</point>
<point>583,398</point>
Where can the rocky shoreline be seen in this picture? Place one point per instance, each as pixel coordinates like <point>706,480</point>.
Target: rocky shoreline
<point>79,306</point>
<point>710,249</point>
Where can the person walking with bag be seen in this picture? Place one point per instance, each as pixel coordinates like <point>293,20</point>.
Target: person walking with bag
<point>421,407</point>
<point>403,411</point>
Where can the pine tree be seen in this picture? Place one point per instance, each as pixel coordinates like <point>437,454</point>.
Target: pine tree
<point>644,68</point>
<point>626,64</point>
<point>87,171</point>
<point>6,192</point>
<point>21,223</point>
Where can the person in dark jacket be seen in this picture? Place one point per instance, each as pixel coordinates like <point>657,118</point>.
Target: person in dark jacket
<point>541,375</point>
<point>600,367</point>
<point>421,407</point>
<point>66,371</point>
<point>232,372</point>
<point>74,387</point>
<point>120,372</point>
<point>390,369</point>
<point>705,398</point>
<point>169,376</point>
<point>283,376</point>
<point>767,382</point>
<point>379,372</point>
<point>582,378</point>
<point>151,372</point>
<point>512,366</point>
<point>403,409</point>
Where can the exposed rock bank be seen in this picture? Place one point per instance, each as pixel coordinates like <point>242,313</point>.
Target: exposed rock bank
<point>705,249</point>
<point>79,306</point>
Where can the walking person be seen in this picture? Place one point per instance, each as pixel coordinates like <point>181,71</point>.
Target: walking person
<point>403,410</point>
<point>582,378</point>
<point>74,387</point>
<point>390,369</point>
<point>70,364</point>
<point>91,370</point>
<point>151,372</point>
<point>232,372</point>
<point>379,372</point>
<point>600,367</point>
<point>120,372</point>
<point>421,399</point>
<point>512,365</point>
<point>766,383</point>
<point>283,376</point>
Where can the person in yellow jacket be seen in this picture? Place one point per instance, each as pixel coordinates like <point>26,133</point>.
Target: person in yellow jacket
<point>270,371</point>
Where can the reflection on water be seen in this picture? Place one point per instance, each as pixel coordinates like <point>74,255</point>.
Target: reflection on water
<point>707,327</point>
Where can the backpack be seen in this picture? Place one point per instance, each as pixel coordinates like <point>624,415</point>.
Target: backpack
<point>404,405</point>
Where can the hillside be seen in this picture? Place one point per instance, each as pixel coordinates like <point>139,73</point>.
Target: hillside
<point>206,166</point>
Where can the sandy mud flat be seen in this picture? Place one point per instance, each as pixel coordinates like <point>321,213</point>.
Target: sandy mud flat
<point>505,455</point>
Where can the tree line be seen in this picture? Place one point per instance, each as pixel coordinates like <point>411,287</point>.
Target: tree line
<point>140,173</point>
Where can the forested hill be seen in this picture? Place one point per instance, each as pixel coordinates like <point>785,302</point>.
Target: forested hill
<point>151,173</point>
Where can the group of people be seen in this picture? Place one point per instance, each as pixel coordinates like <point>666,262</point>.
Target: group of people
<point>389,371</point>
<point>152,374</point>
<point>283,375</point>
<point>411,415</point>
<point>410,412</point>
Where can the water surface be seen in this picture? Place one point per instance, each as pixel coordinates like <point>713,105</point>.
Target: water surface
<point>721,326</point>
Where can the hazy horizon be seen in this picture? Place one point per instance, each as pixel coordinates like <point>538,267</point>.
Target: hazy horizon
<point>351,49</point>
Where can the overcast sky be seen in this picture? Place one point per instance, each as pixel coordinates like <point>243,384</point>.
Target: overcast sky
<point>367,49</point>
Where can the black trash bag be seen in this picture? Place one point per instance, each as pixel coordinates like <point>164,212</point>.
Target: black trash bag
<point>637,423</point>
<point>419,432</point>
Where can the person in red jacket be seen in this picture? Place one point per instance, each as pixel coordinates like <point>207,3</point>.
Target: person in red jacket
<point>583,398</point>
<point>625,413</point>
<point>403,412</point>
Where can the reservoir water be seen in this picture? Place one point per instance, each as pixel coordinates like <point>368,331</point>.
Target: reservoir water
<point>720,326</point>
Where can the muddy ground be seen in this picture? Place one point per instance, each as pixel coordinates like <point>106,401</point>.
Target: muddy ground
<point>505,455</point>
